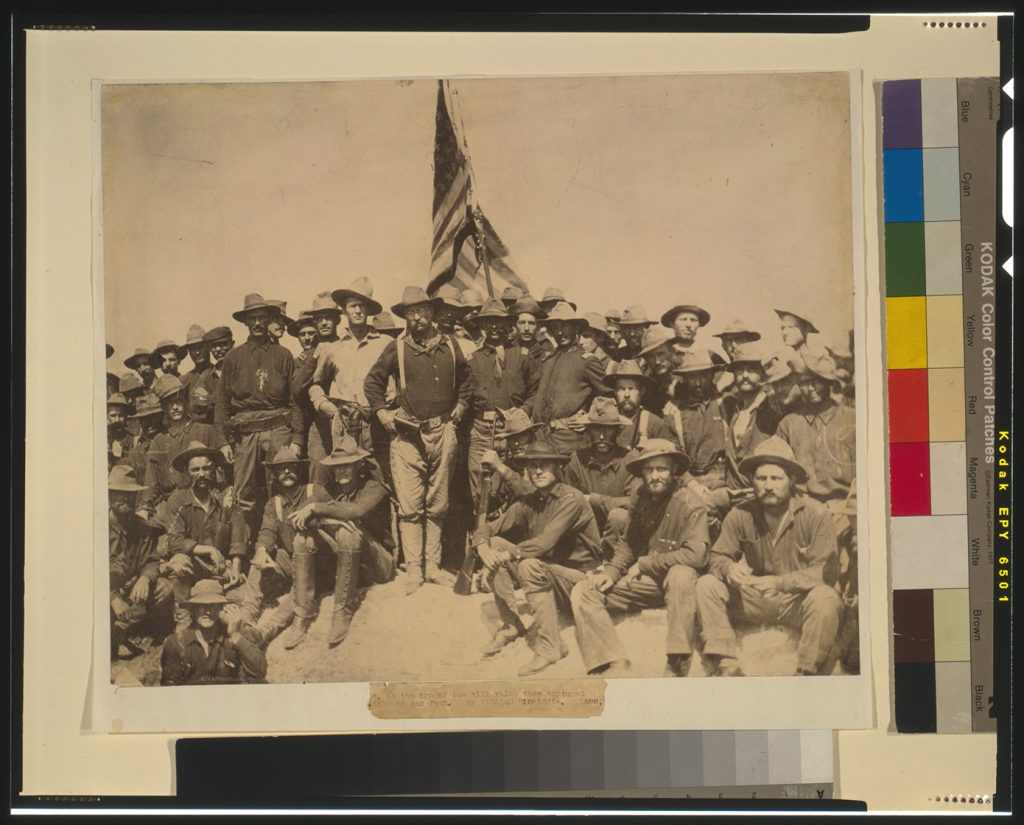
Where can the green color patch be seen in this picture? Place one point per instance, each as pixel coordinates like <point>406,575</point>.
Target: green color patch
<point>904,259</point>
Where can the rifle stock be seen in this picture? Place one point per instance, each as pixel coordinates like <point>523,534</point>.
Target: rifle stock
<point>464,581</point>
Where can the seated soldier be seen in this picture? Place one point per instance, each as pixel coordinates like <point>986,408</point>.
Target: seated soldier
<point>556,542</point>
<point>268,593</point>
<point>658,550</point>
<point>773,563</point>
<point>137,592</point>
<point>599,471</point>
<point>178,431</point>
<point>201,530</point>
<point>512,483</point>
<point>214,648</point>
<point>355,522</point>
<point>629,384</point>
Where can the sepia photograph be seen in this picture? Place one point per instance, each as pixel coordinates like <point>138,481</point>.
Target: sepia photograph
<point>454,380</point>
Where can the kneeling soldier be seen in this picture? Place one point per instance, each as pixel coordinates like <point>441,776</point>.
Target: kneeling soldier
<point>770,565</point>
<point>557,543</point>
<point>355,523</point>
<point>658,548</point>
<point>136,590</point>
<point>214,649</point>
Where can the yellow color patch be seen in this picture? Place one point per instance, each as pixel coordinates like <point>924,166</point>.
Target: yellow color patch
<point>906,333</point>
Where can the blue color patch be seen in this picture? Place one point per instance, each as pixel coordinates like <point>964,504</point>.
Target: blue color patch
<point>903,180</point>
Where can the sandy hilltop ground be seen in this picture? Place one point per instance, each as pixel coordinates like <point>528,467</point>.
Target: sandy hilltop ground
<point>436,635</point>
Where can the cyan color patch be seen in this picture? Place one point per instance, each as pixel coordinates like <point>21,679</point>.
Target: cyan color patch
<point>903,179</point>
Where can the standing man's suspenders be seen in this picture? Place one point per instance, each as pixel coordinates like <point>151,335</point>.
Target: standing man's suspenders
<point>400,343</point>
<point>640,434</point>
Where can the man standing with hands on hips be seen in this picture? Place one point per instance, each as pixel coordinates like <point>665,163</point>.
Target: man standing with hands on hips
<point>433,394</point>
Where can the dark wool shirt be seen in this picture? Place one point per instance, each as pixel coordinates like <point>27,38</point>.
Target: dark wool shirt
<point>502,380</point>
<point>435,382</point>
<point>190,525</point>
<point>825,443</point>
<point>185,662</point>
<point>256,377</point>
<point>568,381</point>
<point>654,427</point>
<point>555,524</point>
<point>275,530</point>
<point>132,553</point>
<point>160,477</point>
<point>607,479</point>
<point>662,531</point>
<point>805,544</point>
<point>366,504</point>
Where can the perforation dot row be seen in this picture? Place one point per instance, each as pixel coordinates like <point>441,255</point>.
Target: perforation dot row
<point>941,24</point>
<point>979,798</point>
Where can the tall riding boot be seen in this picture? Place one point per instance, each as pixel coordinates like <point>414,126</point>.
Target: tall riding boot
<point>432,571</point>
<point>344,595</point>
<point>412,546</point>
<point>304,588</point>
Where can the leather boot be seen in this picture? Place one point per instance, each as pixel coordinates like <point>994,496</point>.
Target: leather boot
<point>296,632</point>
<point>432,571</point>
<point>503,636</point>
<point>412,545</point>
<point>344,596</point>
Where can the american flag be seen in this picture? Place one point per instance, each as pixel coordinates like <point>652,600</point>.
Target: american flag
<point>452,260</point>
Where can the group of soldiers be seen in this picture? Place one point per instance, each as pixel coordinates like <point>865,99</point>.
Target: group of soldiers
<point>569,462</point>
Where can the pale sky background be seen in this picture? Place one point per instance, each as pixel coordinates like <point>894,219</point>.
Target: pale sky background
<point>729,191</point>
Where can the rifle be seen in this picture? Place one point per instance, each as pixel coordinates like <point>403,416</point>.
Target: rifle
<point>464,581</point>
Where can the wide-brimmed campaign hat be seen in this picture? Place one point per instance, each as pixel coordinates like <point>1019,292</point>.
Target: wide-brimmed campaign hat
<point>655,337</point>
<point>604,411</point>
<point>738,329</point>
<point>635,315</point>
<point>383,322</point>
<point>285,455</point>
<point>217,334</point>
<point>628,368</point>
<point>282,307</point>
<point>776,368</point>
<point>492,308</point>
<point>552,295</point>
<point>799,316</point>
<point>141,354</point>
<point>654,448</point>
<point>517,421</point>
<point>598,327</point>
<point>613,315</point>
<point>471,298</point>
<point>703,316</point>
<point>774,450</point>
<point>563,311</point>
<point>528,305</point>
<point>146,406</point>
<point>110,350</point>
<point>362,289</point>
<point>194,450</point>
<point>194,335</point>
<point>207,591</point>
<point>254,301</point>
<point>748,353</point>
<point>511,294</point>
<point>413,295</point>
<point>305,319</point>
<point>695,360</point>
<point>129,382</point>
<point>346,451</point>
<point>167,345</point>
<point>117,400</point>
<point>822,365</point>
<point>542,450</point>
<point>325,302</point>
<point>451,297</point>
<point>122,479</point>
<point>167,385</point>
